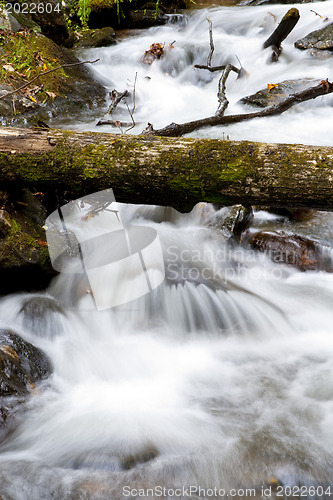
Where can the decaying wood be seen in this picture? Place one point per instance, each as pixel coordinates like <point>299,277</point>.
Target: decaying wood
<point>168,171</point>
<point>287,24</point>
<point>212,69</point>
<point>176,130</point>
<point>116,97</point>
<point>211,43</point>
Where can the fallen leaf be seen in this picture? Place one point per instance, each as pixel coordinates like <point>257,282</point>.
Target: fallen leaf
<point>42,243</point>
<point>8,67</point>
<point>51,94</point>
<point>271,86</point>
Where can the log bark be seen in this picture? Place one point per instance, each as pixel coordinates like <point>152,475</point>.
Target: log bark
<point>157,170</point>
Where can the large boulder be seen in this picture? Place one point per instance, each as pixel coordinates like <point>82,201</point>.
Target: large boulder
<point>69,91</point>
<point>320,39</point>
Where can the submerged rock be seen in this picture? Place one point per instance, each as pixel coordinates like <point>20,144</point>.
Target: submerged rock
<point>232,221</point>
<point>280,91</point>
<point>292,249</point>
<point>320,39</point>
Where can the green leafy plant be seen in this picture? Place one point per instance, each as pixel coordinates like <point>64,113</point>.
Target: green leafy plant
<point>84,11</point>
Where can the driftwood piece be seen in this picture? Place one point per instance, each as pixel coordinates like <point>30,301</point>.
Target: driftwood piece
<point>116,97</point>
<point>168,171</point>
<point>176,130</point>
<point>287,24</point>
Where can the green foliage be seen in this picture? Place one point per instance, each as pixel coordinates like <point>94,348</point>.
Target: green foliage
<point>84,11</point>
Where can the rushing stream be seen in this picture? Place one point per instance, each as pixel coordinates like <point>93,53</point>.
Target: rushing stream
<point>220,378</point>
<point>171,90</point>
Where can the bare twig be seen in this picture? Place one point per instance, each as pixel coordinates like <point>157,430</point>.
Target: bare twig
<point>223,101</point>
<point>45,73</point>
<point>211,42</point>
<point>215,68</point>
<point>133,109</point>
<point>176,130</point>
<point>116,97</point>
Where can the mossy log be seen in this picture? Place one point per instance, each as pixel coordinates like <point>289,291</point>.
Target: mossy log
<point>170,171</point>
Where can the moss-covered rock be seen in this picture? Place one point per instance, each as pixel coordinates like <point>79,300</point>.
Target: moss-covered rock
<point>320,39</point>
<point>24,256</point>
<point>66,91</point>
<point>96,38</point>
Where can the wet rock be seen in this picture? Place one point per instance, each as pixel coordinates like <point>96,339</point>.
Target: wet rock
<point>42,316</point>
<point>320,39</point>
<point>232,221</point>
<point>21,365</point>
<point>265,97</point>
<point>96,38</point>
<point>141,457</point>
<point>292,249</point>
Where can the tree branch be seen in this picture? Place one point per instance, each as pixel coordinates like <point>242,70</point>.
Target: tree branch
<point>211,42</point>
<point>176,130</point>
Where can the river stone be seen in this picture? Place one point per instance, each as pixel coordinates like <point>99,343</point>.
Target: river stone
<point>96,38</point>
<point>298,251</point>
<point>232,221</point>
<point>320,39</point>
<point>21,365</point>
<point>264,98</point>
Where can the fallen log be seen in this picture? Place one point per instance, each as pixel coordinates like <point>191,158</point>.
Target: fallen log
<point>166,171</point>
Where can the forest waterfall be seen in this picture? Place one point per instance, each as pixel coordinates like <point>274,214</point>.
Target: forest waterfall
<point>221,377</point>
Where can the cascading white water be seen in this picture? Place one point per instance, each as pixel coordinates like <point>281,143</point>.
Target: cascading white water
<point>171,90</point>
<point>222,377</point>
